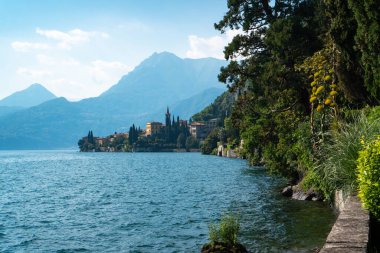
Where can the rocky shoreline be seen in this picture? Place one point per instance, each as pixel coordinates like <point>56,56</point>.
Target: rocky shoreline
<point>298,193</point>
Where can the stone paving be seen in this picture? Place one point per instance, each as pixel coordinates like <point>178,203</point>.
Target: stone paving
<point>350,231</point>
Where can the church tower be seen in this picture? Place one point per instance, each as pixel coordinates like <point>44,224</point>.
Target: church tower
<point>167,118</point>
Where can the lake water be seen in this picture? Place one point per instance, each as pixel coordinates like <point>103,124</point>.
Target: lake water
<point>66,201</point>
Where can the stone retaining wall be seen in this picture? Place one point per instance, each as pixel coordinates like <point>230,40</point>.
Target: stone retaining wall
<point>350,231</point>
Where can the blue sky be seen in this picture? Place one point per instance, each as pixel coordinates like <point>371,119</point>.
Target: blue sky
<point>79,48</point>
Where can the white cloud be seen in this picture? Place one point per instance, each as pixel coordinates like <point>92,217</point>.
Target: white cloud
<point>107,72</point>
<point>44,59</point>
<point>66,40</point>
<point>73,79</point>
<point>47,60</point>
<point>34,73</point>
<point>24,46</point>
<point>211,46</point>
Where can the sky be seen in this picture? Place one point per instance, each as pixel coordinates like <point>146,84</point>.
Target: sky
<point>80,48</point>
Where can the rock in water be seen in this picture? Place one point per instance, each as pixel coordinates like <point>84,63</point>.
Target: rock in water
<point>287,191</point>
<point>220,247</point>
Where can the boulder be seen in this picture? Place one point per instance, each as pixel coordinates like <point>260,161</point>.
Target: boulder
<point>300,194</point>
<point>220,247</point>
<point>287,191</point>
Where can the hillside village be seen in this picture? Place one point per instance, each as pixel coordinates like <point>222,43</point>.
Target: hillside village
<point>173,135</point>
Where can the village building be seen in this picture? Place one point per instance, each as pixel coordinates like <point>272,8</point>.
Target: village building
<point>152,128</point>
<point>198,130</point>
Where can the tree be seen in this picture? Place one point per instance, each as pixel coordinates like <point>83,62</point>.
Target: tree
<point>90,137</point>
<point>181,141</point>
<point>133,135</point>
<point>191,143</point>
<point>367,16</point>
<point>211,142</point>
<point>342,32</point>
<point>272,98</point>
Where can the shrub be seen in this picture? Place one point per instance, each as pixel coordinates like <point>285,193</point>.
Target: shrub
<point>336,161</point>
<point>369,176</point>
<point>227,230</point>
<point>213,232</point>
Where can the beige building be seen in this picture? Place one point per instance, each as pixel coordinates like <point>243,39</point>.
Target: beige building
<point>198,130</point>
<point>152,128</point>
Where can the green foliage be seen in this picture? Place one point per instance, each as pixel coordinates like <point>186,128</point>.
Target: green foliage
<point>367,16</point>
<point>342,31</point>
<point>133,135</point>
<point>211,142</point>
<point>369,176</point>
<point>213,232</point>
<point>226,231</point>
<point>191,143</point>
<point>221,107</point>
<point>336,159</point>
<point>272,98</point>
<point>293,125</point>
<point>181,141</point>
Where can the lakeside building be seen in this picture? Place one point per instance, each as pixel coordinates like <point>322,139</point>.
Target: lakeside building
<point>198,130</point>
<point>182,122</point>
<point>112,137</point>
<point>152,128</point>
<point>100,141</point>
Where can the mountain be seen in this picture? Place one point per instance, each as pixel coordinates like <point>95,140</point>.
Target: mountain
<point>34,95</point>
<point>185,108</point>
<point>218,109</point>
<point>186,85</point>
<point>5,110</point>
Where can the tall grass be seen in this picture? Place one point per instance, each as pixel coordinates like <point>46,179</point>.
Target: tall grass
<point>335,167</point>
<point>226,231</point>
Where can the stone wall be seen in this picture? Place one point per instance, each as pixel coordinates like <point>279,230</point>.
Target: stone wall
<point>350,231</point>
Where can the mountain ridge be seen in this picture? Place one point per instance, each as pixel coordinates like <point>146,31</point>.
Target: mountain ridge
<point>162,79</point>
<point>34,95</point>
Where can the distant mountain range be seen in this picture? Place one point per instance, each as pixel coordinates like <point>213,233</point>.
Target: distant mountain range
<point>185,85</point>
<point>34,95</point>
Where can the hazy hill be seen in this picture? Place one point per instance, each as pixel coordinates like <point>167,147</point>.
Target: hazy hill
<point>161,80</point>
<point>31,96</point>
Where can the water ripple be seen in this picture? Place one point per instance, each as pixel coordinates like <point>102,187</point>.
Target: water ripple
<point>54,201</point>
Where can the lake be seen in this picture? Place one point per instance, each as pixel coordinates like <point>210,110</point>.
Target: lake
<point>66,201</point>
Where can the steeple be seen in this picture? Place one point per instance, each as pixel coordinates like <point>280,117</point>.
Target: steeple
<point>167,118</point>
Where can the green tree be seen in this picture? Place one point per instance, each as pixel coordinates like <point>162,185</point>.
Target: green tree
<point>181,141</point>
<point>342,31</point>
<point>211,142</point>
<point>367,16</point>
<point>191,143</point>
<point>272,96</point>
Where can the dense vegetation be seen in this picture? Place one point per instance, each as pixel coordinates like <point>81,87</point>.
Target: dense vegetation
<point>306,82</point>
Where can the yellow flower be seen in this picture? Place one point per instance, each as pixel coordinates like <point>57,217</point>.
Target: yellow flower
<point>319,108</point>
<point>319,90</point>
<point>313,83</point>
<point>333,93</point>
<point>327,78</point>
<point>333,104</point>
<point>328,101</point>
<point>314,89</point>
<point>333,85</point>
<point>312,99</point>
<point>316,74</point>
